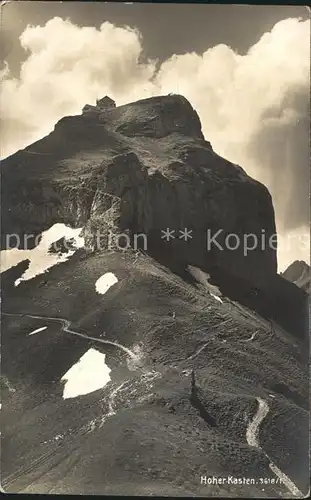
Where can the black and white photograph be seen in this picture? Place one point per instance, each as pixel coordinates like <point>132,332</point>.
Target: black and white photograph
<point>155,249</point>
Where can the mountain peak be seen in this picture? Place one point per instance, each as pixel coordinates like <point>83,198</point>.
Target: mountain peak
<point>142,167</point>
<point>298,272</point>
<point>179,326</point>
<point>152,117</point>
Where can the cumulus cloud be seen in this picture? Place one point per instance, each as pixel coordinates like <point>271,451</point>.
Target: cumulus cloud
<point>255,110</point>
<point>254,107</point>
<point>66,67</point>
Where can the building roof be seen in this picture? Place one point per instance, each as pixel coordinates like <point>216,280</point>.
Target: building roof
<point>105,100</point>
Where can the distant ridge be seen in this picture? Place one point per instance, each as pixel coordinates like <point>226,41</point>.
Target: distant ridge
<point>299,273</point>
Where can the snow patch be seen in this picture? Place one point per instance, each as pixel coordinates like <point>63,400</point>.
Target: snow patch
<point>38,330</point>
<point>105,282</point>
<point>40,259</point>
<point>216,297</point>
<point>89,374</point>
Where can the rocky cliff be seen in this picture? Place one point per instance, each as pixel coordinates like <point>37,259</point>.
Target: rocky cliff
<point>141,168</point>
<point>183,332</point>
<point>299,273</point>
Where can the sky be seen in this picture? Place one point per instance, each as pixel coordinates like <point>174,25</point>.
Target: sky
<point>245,69</point>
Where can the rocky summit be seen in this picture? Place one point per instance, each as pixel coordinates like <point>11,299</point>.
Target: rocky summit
<point>142,167</point>
<point>148,360</point>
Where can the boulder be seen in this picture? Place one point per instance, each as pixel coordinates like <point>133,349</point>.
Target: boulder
<point>299,273</point>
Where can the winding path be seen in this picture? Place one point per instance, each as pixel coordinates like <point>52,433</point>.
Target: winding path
<point>65,328</point>
<point>252,431</point>
<point>198,351</point>
<point>253,428</point>
<point>252,438</point>
<point>65,324</point>
<point>214,337</point>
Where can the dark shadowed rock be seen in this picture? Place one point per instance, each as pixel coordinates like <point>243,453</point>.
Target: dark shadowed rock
<point>167,426</point>
<point>299,273</point>
<point>205,350</point>
<point>62,246</point>
<point>142,167</point>
<point>9,277</point>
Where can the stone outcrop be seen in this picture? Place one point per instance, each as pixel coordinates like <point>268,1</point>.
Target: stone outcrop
<point>88,108</point>
<point>197,403</point>
<point>141,168</point>
<point>299,273</point>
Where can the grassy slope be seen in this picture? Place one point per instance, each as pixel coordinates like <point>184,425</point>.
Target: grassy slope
<point>157,441</point>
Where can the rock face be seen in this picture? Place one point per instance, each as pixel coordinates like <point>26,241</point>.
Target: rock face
<point>154,429</point>
<point>142,168</point>
<point>188,396</point>
<point>299,273</point>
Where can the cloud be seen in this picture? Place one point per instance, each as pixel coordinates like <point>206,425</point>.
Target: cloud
<point>254,107</point>
<point>66,67</point>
